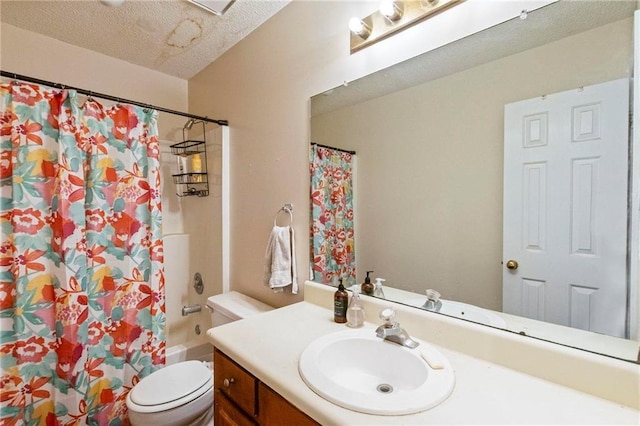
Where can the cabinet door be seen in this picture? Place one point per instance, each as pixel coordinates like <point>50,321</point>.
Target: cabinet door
<point>235,382</point>
<point>275,410</point>
<point>227,414</point>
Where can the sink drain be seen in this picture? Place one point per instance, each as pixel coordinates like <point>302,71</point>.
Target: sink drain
<point>385,388</point>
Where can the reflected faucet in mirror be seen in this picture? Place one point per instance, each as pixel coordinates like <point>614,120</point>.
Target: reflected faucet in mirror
<point>433,302</point>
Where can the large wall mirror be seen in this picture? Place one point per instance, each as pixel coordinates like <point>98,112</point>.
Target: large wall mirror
<point>458,173</point>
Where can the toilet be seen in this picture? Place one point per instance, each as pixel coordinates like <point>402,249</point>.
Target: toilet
<point>181,394</point>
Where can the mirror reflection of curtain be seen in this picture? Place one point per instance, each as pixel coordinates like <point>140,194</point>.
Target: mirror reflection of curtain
<point>332,231</point>
<point>81,265</point>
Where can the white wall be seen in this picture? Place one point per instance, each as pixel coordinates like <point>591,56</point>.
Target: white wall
<point>31,54</point>
<point>263,85</point>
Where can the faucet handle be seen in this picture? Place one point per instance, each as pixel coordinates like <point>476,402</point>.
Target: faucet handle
<point>432,295</point>
<point>388,315</point>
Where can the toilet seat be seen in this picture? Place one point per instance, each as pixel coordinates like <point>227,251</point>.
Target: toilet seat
<point>173,386</point>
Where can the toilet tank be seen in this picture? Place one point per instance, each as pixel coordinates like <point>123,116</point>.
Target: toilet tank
<point>232,306</point>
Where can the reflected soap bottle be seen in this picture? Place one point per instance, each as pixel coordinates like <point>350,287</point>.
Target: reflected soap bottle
<point>377,292</point>
<point>355,311</point>
<point>367,287</point>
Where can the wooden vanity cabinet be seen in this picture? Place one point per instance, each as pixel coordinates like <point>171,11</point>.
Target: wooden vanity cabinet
<point>235,383</point>
<point>241,399</point>
<point>226,413</point>
<point>277,411</point>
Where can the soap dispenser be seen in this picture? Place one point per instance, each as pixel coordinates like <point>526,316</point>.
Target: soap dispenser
<point>340,303</point>
<point>377,292</point>
<point>355,311</point>
<point>367,287</point>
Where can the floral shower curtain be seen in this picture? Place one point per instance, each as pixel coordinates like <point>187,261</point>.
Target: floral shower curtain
<point>81,276</point>
<point>332,232</point>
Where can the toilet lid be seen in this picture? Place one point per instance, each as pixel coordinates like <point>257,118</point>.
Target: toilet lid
<point>170,383</point>
<point>236,305</point>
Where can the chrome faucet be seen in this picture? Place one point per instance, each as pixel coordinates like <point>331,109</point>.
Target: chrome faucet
<point>433,302</point>
<point>186,310</point>
<point>392,332</point>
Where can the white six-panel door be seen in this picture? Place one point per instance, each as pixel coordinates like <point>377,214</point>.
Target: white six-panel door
<point>565,207</point>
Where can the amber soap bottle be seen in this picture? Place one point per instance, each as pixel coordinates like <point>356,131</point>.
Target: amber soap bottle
<point>367,286</point>
<point>340,304</point>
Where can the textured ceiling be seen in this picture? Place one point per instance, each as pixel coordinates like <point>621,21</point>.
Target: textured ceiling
<point>552,22</point>
<point>171,36</point>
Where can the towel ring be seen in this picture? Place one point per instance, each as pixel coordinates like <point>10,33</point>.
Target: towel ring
<point>283,209</point>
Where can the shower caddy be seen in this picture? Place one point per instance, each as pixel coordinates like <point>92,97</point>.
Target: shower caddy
<point>193,178</point>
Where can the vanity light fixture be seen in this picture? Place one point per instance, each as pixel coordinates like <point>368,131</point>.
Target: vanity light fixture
<point>393,17</point>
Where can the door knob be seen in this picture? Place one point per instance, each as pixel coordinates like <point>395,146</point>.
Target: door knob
<point>512,264</point>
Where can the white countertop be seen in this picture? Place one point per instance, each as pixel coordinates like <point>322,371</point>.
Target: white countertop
<point>269,346</point>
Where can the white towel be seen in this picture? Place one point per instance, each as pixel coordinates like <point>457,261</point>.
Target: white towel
<point>280,260</point>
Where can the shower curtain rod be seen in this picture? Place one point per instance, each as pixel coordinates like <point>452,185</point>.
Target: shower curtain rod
<point>333,147</point>
<point>108,97</point>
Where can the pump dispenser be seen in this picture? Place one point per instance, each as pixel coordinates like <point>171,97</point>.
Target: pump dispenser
<point>377,292</point>
<point>367,287</point>
<point>340,303</point>
<point>355,311</point>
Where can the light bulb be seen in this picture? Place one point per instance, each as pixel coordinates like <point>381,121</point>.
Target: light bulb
<point>392,10</point>
<point>356,25</point>
<point>359,27</point>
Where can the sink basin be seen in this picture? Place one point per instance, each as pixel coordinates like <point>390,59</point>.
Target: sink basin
<point>464,311</point>
<point>359,371</point>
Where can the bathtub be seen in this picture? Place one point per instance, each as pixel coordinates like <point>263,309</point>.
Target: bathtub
<point>199,350</point>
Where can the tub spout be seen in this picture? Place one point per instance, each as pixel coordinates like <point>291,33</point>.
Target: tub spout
<point>186,310</point>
